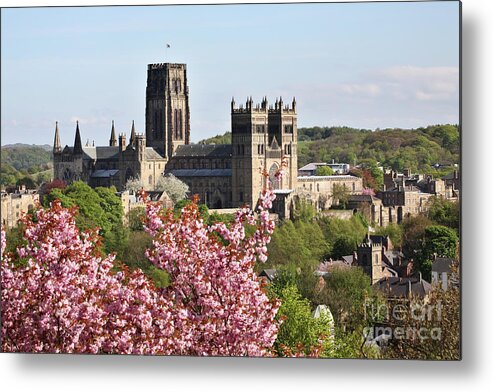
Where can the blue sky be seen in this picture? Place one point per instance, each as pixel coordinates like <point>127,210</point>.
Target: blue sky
<point>368,65</point>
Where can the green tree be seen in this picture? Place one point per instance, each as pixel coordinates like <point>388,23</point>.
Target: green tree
<point>340,196</point>
<point>438,240</point>
<point>413,233</point>
<point>348,292</point>
<point>135,218</point>
<point>303,211</point>
<point>299,328</point>
<point>324,171</point>
<point>445,212</point>
<point>342,236</point>
<point>26,181</point>
<point>394,231</point>
<point>98,207</point>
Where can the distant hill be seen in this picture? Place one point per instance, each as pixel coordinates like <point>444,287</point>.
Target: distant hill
<point>27,157</point>
<point>218,139</point>
<point>416,149</point>
<point>25,164</point>
<point>46,147</point>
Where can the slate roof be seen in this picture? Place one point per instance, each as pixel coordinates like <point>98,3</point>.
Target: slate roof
<point>201,172</point>
<point>393,256</point>
<point>311,166</point>
<point>100,153</point>
<point>104,173</point>
<point>204,150</point>
<point>270,274</point>
<point>400,287</point>
<point>442,264</point>
<point>361,198</point>
<point>151,153</point>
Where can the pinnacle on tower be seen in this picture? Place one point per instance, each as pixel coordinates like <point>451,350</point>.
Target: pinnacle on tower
<point>113,141</point>
<point>77,142</point>
<point>57,146</point>
<point>132,134</point>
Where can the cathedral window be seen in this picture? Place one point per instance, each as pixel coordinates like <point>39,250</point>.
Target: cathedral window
<point>150,180</point>
<point>241,197</point>
<point>272,176</point>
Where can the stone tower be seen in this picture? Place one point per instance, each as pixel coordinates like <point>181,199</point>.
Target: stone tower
<point>370,259</point>
<point>283,130</point>
<point>167,108</point>
<point>262,137</point>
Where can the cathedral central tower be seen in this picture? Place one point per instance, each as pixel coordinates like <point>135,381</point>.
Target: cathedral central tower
<point>167,107</point>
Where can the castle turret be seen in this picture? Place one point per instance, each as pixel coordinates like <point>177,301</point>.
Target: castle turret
<point>57,146</point>
<point>77,142</point>
<point>370,259</point>
<point>140,145</point>
<point>122,142</point>
<point>113,142</point>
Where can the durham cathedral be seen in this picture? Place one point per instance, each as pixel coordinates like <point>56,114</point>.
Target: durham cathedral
<point>224,176</point>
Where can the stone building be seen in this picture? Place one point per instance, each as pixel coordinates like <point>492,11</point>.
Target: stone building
<point>403,201</point>
<point>319,189</point>
<point>108,165</point>
<point>264,140</point>
<point>15,204</point>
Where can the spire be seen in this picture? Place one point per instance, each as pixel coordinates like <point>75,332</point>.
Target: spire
<point>132,134</point>
<point>77,142</point>
<point>113,141</point>
<point>57,146</point>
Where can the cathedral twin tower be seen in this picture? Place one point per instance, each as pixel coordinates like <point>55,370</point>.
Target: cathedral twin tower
<point>230,175</point>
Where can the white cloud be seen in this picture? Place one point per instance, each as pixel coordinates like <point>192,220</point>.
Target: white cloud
<point>419,83</point>
<point>365,89</point>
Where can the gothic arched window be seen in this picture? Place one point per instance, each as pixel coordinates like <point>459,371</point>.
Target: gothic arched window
<point>275,182</point>
<point>67,174</point>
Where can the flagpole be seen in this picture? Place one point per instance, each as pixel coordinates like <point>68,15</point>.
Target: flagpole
<point>166,52</point>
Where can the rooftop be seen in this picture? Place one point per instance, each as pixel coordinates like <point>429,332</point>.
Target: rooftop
<point>204,150</point>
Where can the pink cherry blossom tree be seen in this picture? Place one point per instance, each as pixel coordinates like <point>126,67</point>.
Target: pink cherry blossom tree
<point>223,306</point>
<point>59,295</point>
